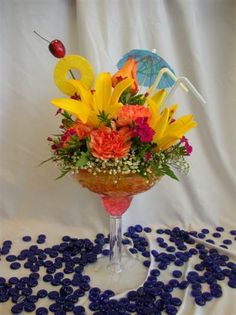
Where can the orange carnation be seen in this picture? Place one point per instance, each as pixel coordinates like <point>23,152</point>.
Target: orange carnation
<point>129,113</point>
<point>82,130</point>
<point>107,143</point>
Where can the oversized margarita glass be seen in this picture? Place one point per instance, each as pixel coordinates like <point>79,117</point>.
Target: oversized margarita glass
<point>116,193</point>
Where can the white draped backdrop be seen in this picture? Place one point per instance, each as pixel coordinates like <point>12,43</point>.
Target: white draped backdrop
<point>196,37</point>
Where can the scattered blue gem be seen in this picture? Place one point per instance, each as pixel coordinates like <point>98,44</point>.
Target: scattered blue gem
<point>227,242</point>
<point>177,274</point>
<point>15,265</point>
<point>216,235</point>
<point>26,238</point>
<point>42,311</point>
<point>220,229</point>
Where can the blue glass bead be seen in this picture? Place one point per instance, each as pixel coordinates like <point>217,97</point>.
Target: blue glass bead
<point>40,241</point>
<point>220,229</point>
<point>29,307</point>
<point>177,274</point>
<point>232,283</point>
<point>17,309</point>
<point>179,262</point>
<point>196,293</point>
<point>53,295</point>
<point>4,251</point>
<point>168,288</point>
<point>133,250</point>
<point>72,298</point>
<point>146,254</point>
<point>126,241</point>
<point>47,278</point>
<point>216,235</point>
<point>34,275</point>
<point>170,249</point>
<point>13,280</point>
<point>68,306</point>
<point>201,235</point>
<point>227,242</point>
<point>42,293</point>
<point>207,296</point>
<point>32,298</point>
<point>175,301</point>
<point>94,306</point>
<point>162,266</point>
<point>183,284</point>
<point>78,310</point>
<point>55,282</point>
<point>163,245</point>
<point>54,307</point>
<point>26,238</point>
<point>4,297</point>
<point>200,300</point>
<point>160,240</point>
<point>160,231</point>
<point>7,243</point>
<point>15,265</point>
<point>106,252</point>
<point>233,232</point>
<point>138,228</point>
<point>193,251</point>
<point>154,253</point>
<point>65,291</point>
<point>66,238</point>
<point>51,270</point>
<point>155,272</point>
<point>147,229</point>
<point>11,258</point>
<point>79,292</point>
<point>174,283</point>
<point>205,231</point>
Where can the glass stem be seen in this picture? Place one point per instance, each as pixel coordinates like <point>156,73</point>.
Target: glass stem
<point>115,243</point>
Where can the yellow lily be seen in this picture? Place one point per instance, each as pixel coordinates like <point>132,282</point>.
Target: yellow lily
<point>93,103</point>
<point>167,130</point>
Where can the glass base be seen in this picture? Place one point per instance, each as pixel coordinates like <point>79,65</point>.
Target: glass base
<point>105,276</point>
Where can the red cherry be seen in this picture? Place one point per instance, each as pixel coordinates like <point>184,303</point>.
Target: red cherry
<point>57,48</point>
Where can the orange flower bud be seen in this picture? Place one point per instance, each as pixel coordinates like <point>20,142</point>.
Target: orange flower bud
<point>129,70</point>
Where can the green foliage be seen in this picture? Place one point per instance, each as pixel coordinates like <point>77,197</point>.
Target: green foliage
<point>104,118</point>
<point>132,99</point>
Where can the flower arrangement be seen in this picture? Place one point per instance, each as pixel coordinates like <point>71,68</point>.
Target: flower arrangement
<point>113,128</point>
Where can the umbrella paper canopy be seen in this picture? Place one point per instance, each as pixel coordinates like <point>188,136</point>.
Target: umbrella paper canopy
<point>149,65</point>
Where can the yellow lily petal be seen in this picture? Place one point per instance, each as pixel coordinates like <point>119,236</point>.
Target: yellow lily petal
<point>166,142</point>
<point>162,124</point>
<point>155,116</point>
<point>82,90</point>
<point>119,89</point>
<point>77,108</point>
<point>181,126</point>
<point>172,109</point>
<point>103,89</point>
<point>158,97</point>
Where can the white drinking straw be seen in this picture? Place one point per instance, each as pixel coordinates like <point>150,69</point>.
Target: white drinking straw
<point>158,79</point>
<point>185,81</point>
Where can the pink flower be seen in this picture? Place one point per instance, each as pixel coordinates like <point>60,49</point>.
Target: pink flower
<point>148,156</point>
<point>129,113</point>
<point>188,147</point>
<point>107,143</point>
<point>142,130</point>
